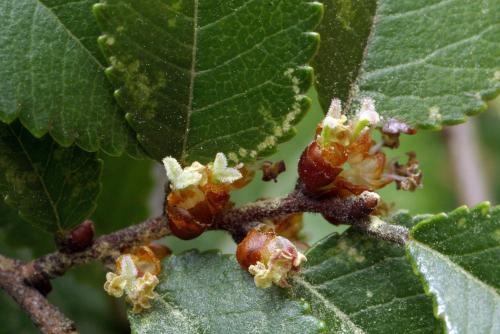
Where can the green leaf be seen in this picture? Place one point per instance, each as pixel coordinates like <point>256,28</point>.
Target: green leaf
<point>126,190</point>
<point>52,187</point>
<point>361,285</point>
<point>353,283</point>
<point>210,293</point>
<point>426,62</point>
<point>457,257</point>
<point>53,78</point>
<point>202,77</point>
<point>17,238</point>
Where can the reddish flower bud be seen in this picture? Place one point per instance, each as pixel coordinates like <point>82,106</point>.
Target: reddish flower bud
<point>182,224</point>
<point>160,251</point>
<point>270,258</point>
<point>315,171</point>
<point>78,239</point>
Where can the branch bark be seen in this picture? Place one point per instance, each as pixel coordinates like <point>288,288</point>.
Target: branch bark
<point>19,279</point>
<point>43,314</point>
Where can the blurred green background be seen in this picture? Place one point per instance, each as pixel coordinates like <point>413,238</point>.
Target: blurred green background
<point>132,191</point>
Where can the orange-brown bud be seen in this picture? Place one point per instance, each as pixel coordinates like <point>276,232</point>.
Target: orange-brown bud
<point>315,171</point>
<point>270,258</point>
<point>182,224</point>
<point>249,250</point>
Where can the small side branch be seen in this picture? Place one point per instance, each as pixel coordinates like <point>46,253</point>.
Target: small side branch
<point>43,314</point>
<point>379,229</point>
<point>104,249</point>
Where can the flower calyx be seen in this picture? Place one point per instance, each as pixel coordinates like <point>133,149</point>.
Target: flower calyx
<point>199,192</point>
<point>344,160</point>
<point>135,277</point>
<point>269,258</point>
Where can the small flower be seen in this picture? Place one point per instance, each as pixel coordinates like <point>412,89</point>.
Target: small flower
<point>117,284</point>
<point>270,258</point>
<point>143,292</point>
<point>335,130</point>
<point>182,178</point>
<point>221,172</point>
<point>135,277</point>
<point>367,112</point>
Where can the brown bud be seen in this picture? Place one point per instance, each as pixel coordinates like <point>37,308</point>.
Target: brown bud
<point>78,239</point>
<point>391,131</point>
<point>249,250</point>
<point>160,251</point>
<point>270,258</point>
<point>315,171</point>
<point>270,170</point>
<point>182,224</point>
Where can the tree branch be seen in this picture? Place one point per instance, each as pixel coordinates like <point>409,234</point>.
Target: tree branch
<point>104,248</point>
<point>238,221</point>
<point>43,314</point>
<point>19,279</point>
<point>379,229</point>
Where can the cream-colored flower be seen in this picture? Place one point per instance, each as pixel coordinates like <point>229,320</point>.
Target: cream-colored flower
<point>138,290</point>
<point>284,259</point>
<point>117,284</point>
<point>222,172</point>
<point>335,130</point>
<point>142,292</point>
<point>182,178</point>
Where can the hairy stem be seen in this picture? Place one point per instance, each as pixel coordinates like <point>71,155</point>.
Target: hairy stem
<point>379,229</point>
<point>20,280</point>
<point>346,210</point>
<point>104,248</point>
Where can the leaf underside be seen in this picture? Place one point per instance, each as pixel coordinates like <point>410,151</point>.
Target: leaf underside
<point>428,63</point>
<point>457,257</point>
<point>53,79</point>
<point>206,76</point>
<point>52,187</point>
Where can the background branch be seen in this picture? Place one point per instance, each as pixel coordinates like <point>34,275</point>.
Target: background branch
<point>464,151</point>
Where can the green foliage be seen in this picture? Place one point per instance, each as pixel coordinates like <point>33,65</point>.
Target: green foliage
<point>424,62</point>
<point>361,285</point>
<point>52,76</point>
<point>209,293</point>
<point>457,257</point>
<point>351,282</point>
<point>52,187</point>
<point>198,78</point>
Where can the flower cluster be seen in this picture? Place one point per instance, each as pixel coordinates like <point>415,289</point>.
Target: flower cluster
<point>200,192</point>
<point>136,277</point>
<point>269,257</point>
<point>344,160</point>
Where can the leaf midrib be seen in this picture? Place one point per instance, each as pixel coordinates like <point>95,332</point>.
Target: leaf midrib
<point>344,318</point>
<point>191,80</point>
